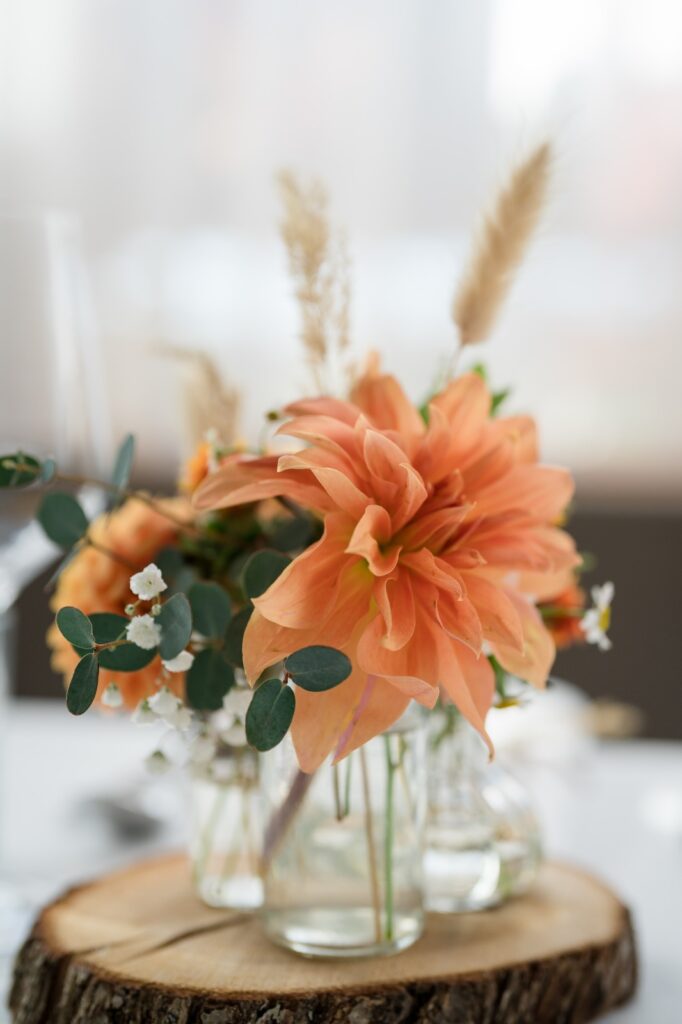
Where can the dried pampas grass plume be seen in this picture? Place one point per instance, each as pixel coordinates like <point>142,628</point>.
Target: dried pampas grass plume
<point>210,404</point>
<point>500,247</point>
<point>319,268</point>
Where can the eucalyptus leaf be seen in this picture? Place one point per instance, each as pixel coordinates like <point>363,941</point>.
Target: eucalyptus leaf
<point>208,680</point>
<point>11,477</point>
<point>83,686</point>
<point>76,628</point>
<point>291,534</point>
<point>48,469</point>
<point>270,713</point>
<point>123,463</point>
<point>108,627</point>
<point>62,519</point>
<point>234,637</point>
<point>318,668</point>
<point>211,609</point>
<point>175,620</point>
<point>261,571</point>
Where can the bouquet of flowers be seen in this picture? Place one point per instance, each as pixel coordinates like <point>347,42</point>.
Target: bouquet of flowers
<point>395,553</point>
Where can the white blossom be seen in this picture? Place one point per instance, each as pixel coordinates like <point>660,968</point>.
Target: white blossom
<point>202,749</point>
<point>149,583</point>
<point>596,621</point>
<point>144,632</point>
<point>235,736</point>
<point>182,662</point>
<point>157,763</point>
<point>163,703</point>
<point>143,714</point>
<point>236,702</point>
<point>112,697</point>
<point>179,718</point>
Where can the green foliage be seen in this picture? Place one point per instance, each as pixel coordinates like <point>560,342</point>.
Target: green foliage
<point>497,400</point>
<point>270,713</point>
<point>318,668</point>
<point>211,609</point>
<point>83,686</point>
<point>123,463</point>
<point>11,477</point>
<point>126,657</point>
<point>62,519</point>
<point>234,637</point>
<point>76,628</point>
<point>292,534</point>
<point>47,470</point>
<point>261,571</point>
<point>175,620</point>
<point>208,680</point>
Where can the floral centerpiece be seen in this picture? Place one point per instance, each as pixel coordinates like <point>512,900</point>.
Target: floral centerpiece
<point>395,557</point>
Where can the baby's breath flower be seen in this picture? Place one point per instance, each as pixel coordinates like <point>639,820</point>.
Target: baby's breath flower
<point>149,583</point>
<point>143,631</point>
<point>179,718</point>
<point>157,763</point>
<point>143,714</point>
<point>235,736</point>
<point>163,703</point>
<point>112,698</point>
<point>155,610</point>
<point>182,662</point>
<point>596,621</point>
<point>202,749</point>
<point>130,609</point>
<point>236,702</point>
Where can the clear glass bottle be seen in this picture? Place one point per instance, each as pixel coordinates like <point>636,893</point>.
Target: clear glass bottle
<point>343,847</point>
<point>226,830</point>
<point>482,836</point>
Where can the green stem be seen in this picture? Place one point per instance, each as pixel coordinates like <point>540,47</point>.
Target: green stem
<point>346,794</point>
<point>388,840</point>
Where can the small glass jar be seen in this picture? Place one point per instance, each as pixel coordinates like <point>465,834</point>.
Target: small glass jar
<point>343,847</point>
<point>482,836</point>
<point>226,830</point>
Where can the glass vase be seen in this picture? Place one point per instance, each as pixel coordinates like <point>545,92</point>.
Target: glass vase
<point>343,847</point>
<point>226,830</point>
<point>482,836</point>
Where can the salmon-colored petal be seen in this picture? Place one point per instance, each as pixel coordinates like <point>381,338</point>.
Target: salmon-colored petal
<point>386,405</point>
<point>381,705</point>
<point>394,482</point>
<point>434,529</point>
<point>337,483</point>
<point>329,433</point>
<point>535,661</point>
<point>345,412</point>
<point>470,685</point>
<point>395,600</point>
<point>543,492</point>
<point>465,406</point>
<point>522,432</point>
<point>434,569</point>
<point>499,618</point>
<point>321,718</point>
<point>304,594</point>
<point>459,619</point>
<point>373,531</point>
<point>248,480</point>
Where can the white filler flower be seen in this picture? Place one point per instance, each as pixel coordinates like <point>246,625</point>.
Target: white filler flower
<point>596,621</point>
<point>163,703</point>
<point>157,763</point>
<point>149,583</point>
<point>144,632</point>
<point>112,697</point>
<point>182,662</point>
<point>143,714</point>
<point>179,718</point>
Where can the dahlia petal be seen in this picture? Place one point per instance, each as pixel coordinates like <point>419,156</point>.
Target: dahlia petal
<point>304,594</point>
<point>535,661</point>
<point>321,718</point>
<point>459,619</point>
<point>434,569</point>
<point>465,405</point>
<point>522,432</point>
<point>543,492</point>
<point>435,529</point>
<point>373,530</point>
<point>470,684</point>
<point>335,408</point>
<point>381,705</point>
<point>325,431</point>
<point>498,615</point>
<point>256,479</point>
<point>386,405</point>
<point>395,600</point>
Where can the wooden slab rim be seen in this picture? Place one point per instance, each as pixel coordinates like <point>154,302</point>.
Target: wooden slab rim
<point>166,948</point>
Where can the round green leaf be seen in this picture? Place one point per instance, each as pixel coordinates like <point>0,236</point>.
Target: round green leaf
<point>11,477</point>
<point>234,637</point>
<point>261,570</point>
<point>76,627</point>
<point>126,658</point>
<point>211,609</point>
<point>62,519</point>
<point>291,534</point>
<point>208,680</point>
<point>83,686</point>
<point>270,713</point>
<point>123,463</point>
<point>175,620</point>
<point>47,470</point>
<point>318,668</point>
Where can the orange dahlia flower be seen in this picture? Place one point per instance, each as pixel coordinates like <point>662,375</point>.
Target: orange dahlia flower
<point>562,615</point>
<point>433,534</point>
<point>95,582</point>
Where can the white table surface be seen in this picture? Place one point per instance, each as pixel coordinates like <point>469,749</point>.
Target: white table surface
<point>613,808</point>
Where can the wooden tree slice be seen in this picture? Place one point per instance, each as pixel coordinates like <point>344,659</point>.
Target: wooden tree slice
<point>137,947</point>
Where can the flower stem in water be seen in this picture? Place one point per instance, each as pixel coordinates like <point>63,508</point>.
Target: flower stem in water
<point>388,840</point>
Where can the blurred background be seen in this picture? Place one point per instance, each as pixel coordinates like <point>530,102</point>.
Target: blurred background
<point>138,147</point>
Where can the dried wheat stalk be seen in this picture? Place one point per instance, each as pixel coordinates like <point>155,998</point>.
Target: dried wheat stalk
<point>210,404</point>
<point>500,247</point>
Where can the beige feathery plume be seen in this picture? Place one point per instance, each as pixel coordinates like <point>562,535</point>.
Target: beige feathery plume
<point>319,267</point>
<point>500,247</point>
<point>210,404</point>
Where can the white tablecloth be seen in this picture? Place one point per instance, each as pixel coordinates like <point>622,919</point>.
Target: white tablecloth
<point>616,809</point>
